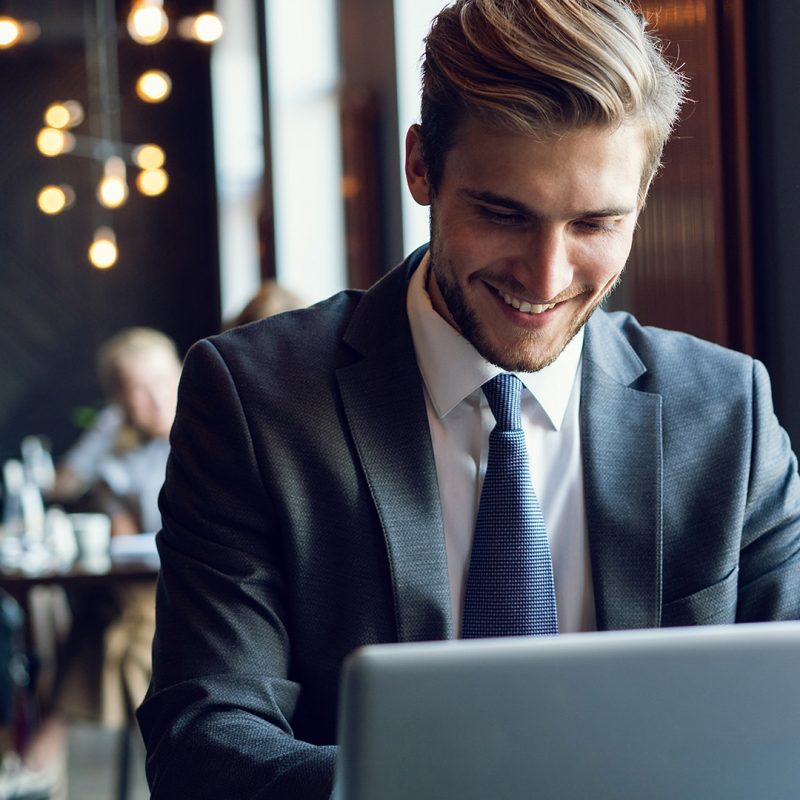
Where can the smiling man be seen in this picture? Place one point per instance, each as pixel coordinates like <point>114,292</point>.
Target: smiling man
<point>335,478</point>
<point>528,236</point>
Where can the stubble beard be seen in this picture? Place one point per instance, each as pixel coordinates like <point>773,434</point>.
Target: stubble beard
<point>524,355</point>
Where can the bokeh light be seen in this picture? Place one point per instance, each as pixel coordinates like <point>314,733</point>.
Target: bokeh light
<point>10,32</point>
<point>148,156</point>
<point>103,252</point>
<point>153,86</point>
<point>53,199</point>
<point>53,142</point>
<point>112,191</point>
<point>147,22</point>
<point>152,182</point>
<point>64,115</point>
<point>206,28</point>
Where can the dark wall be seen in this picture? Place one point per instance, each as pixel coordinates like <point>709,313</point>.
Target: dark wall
<point>774,68</point>
<point>55,309</point>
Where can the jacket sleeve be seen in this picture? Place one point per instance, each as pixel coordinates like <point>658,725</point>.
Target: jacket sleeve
<point>769,573</point>
<point>217,721</point>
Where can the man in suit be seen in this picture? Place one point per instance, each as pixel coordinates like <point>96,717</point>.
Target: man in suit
<point>327,464</point>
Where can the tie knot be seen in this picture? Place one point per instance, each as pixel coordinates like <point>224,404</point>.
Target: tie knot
<point>504,393</point>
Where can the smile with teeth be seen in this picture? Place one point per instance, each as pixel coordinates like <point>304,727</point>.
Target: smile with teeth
<point>524,306</point>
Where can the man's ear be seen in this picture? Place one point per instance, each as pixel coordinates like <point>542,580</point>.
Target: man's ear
<point>416,171</point>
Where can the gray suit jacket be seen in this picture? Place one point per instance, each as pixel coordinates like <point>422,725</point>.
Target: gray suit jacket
<point>302,519</point>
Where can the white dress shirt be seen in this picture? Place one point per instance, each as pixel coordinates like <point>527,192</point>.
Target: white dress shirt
<point>460,421</point>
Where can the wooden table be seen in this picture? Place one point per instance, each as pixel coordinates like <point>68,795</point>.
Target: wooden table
<point>18,583</point>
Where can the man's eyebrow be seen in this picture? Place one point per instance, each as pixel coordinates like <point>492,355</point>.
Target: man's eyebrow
<point>514,205</point>
<point>498,200</point>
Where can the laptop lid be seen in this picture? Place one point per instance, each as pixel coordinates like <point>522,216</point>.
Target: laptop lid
<point>705,712</point>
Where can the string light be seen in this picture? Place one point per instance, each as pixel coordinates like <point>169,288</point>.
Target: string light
<point>147,22</point>
<point>113,189</point>
<point>53,200</point>
<point>53,142</point>
<point>14,32</point>
<point>148,156</point>
<point>10,32</point>
<point>152,182</point>
<point>103,251</point>
<point>205,28</point>
<point>153,86</point>
<point>68,114</point>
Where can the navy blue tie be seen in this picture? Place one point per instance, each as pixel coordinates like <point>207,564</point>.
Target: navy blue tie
<point>510,589</point>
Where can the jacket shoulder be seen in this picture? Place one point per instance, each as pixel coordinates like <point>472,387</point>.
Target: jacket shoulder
<point>669,354</point>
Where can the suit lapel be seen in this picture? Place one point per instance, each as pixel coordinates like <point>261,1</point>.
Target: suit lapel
<point>622,460</point>
<point>384,403</point>
<point>383,400</point>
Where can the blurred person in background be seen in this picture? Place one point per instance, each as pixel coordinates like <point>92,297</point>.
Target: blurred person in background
<point>271,298</point>
<point>117,467</point>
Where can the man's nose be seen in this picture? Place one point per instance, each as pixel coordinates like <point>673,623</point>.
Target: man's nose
<point>548,267</point>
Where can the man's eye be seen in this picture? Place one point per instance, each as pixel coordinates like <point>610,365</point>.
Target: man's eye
<point>595,225</point>
<point>502,218</point>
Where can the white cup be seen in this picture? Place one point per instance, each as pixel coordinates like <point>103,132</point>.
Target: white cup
<point>93,537</point>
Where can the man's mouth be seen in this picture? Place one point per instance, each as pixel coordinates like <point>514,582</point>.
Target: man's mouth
<point>523,305</point>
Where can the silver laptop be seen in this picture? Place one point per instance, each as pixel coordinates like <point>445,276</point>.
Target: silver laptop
<point>673,714</point>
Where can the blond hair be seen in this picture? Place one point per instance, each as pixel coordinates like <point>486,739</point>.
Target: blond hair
<point>544,67</point>
<point>129,343</point>
<point>123,345</point>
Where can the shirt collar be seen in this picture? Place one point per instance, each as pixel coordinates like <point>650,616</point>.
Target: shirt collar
<point>452,369</point>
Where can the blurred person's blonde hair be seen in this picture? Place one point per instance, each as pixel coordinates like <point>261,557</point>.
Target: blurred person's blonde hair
<point>270,299</point>
<point>116,351</point>
<point>543,68</point>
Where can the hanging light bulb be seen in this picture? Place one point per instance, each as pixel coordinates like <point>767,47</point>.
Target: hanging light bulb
<point>153,86</point>
<point>56,116</point>
<point>68,114</point>
<point>14,31</point>
<point>10,32</point>
<point>147,22</point>
<point>53,142</point>
<point>103,251</point>
<point>53,200</point>
<point>112,191</point>
<point>148,156</point>
<point>152,182</point>
<point>205,28</point>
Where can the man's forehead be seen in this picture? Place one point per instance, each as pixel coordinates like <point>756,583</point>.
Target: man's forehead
<point>484,152</point>
<point>481,140</point>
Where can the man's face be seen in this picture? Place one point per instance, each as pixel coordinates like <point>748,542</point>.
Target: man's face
<point>528,236</point>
